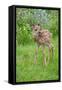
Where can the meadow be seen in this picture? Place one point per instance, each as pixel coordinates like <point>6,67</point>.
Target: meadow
<point>27,70</point>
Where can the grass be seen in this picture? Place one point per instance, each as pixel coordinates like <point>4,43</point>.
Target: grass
<point>26,70</point>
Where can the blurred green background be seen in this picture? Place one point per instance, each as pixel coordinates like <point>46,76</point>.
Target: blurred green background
<point>26,70</point>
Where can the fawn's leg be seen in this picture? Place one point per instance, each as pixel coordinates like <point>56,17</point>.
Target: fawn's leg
<point>44,55</point>
<point>51,51</point>
<point>52,48</point>
<point>36,53</point>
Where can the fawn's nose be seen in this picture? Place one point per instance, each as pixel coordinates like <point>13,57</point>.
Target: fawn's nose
<point>35,29</point>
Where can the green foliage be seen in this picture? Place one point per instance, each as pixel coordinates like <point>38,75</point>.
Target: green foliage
<point>53,22</point>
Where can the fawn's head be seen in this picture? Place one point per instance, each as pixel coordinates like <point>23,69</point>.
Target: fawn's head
<point>35,28</point>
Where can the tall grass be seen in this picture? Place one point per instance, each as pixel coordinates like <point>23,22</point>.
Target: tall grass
<point>26,70</point>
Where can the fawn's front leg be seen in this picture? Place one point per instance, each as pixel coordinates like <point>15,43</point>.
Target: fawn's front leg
<point>44,55</point>
<point>36,54</point>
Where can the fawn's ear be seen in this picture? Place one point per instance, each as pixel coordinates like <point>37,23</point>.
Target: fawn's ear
<point>32,26</point>
<point>38,24</point>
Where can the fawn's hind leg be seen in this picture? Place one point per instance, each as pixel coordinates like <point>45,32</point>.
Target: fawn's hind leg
<point>52,48</point>
<point>51,52</point>
<point>44,55</point>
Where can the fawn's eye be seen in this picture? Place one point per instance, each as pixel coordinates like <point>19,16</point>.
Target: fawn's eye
<point>35,29</point>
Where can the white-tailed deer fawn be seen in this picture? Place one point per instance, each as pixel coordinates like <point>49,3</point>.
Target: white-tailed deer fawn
<point>43,38</point>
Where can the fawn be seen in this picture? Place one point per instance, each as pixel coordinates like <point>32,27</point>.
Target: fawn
<point>43,38</point>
